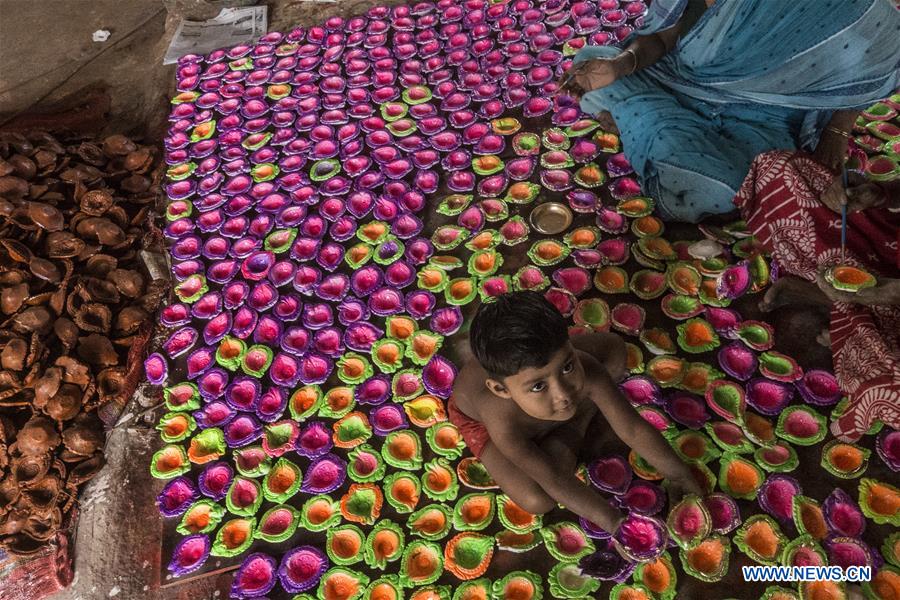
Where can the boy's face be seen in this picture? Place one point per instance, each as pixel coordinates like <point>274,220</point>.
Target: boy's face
<point>550,392</point>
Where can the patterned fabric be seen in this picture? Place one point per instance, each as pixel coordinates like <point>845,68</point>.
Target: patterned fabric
<point>745,79</point>
<point>780,202</point>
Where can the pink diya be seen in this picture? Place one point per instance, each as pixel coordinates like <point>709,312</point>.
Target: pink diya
<point>564,301</point>
<point>819,387</point>
<point>767,396</point>
<point>387,418</point>
<point>302,568</point>
<point>610,221</point>
<point>687,409</point>
<point>627,318</point>
<point>738,361</point>
<point>776,495</point>
<point>624,188</point>
<point>255,577</point>
<point>610,474</point>
<point>573,279</point>
<point>642,497</point>
<point>215,479</point>
<point>843,515</point>
<point>641,538</point>
<point>641,390</point>
<point>887,445</point>
<point>723,511</point>
<point>189,554</point>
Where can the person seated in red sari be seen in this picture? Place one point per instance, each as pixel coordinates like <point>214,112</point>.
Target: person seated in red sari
<point>792,204</point>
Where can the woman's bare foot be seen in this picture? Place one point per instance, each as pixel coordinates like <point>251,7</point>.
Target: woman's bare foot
<point>607,123</point>
<point>792,290</point>
<point>824,338</point>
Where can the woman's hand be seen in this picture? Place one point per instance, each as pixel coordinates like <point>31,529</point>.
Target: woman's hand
<point>594,74</point>
<point>831,150</point>
<point>859,197</point>
<point>885,292</point>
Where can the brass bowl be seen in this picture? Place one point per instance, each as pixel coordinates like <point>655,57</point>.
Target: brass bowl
<point>550,218</point>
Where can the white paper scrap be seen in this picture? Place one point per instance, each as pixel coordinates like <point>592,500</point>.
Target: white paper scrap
<point>232,26</point>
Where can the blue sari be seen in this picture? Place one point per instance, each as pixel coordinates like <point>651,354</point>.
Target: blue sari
<point>750,76</point>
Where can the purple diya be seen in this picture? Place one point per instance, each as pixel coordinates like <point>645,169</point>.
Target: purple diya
<point>446,320</point>
<point>255,577</point>
<point>640,537</point>
<point>387,418</point>
<point>373,391</point>
<point>642,497</point>
<point>724,513</point>
<point>845,552</point>
<point>610,474</point>
<point>592,530</point>
<point>687,409</point>
<point>819,387</point>
<point>887,444</point>
<point>738,361</point>
<point>189,554</point>
<point>767,396</point>
<point>215,479</point>
<point>420,303</point>
<point>843,515</point>
<point>177,495</point>
<point>641,390</point>
<point>301,569</point>
<point>776,495</point>
<point>156,369</point>
<point>214,414</point>
<point>242,430</point>
<point>314,440</point>
<point>324,475</point>
<point>438,376</point>
<point>606,564</point>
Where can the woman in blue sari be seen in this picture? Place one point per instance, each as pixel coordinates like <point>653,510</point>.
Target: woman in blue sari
<point>704,87</point>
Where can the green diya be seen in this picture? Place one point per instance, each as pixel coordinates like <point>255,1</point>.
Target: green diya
<point>696,336</point>
<point>801,425</point>
<point>519,585</point>
<point>474,512</point>
<point>439,480</point>
<point>343,583</point>
<point>515,518</point>
<point>522,192</point>
<point>738,477</point>
<point>422,563</point>
<point>431,522</point>
<point>282,481</point>
<point>345,544</point>
<point>708,560</point>
<point>761,539</point>
<point>467,555</point>
<point>234,537</point>
<point>170,462</point>
<point>477,589</point>
<point>548,252</point>
<point>202,516</point>
<point>445,440</point>
<point>567,581</point>
<point>630,591</point>
<point>845,460</point>
<point>175,426</point>
<point>278,524</point>
<point>403,449</point>
<point>658,576</point>
<point>486,239</point>
<point>319,513</point>
<point>362,503</point>
<point>461,291</point>
<point>512,541</point>
<point>880,501</point>
<point>808,517</point>
<point>402,491</point>
<point>454,204</point>
<point>566,541</point>
<point>384,544</point>
<point>848,278</point>
<point>611,280</point>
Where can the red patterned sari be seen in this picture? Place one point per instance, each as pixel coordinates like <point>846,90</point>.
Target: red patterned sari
<point>779,199</point>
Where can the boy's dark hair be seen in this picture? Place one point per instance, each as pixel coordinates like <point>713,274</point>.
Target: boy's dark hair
<point>516,331</point>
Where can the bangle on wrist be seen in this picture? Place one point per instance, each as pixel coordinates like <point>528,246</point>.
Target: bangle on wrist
<point>634,59</point>
<point>838,132</point>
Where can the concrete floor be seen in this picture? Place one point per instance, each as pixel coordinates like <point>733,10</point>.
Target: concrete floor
<point>48,58</point>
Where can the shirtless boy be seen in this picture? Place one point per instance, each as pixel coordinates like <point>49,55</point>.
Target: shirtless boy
<point>528,405</point>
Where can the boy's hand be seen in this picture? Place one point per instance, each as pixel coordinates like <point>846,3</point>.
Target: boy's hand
<point>680,487</point>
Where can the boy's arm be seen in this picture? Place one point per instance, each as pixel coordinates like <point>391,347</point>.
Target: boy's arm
<point>642,437</point>
<point>565,488</point>
<point>607,348</point>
